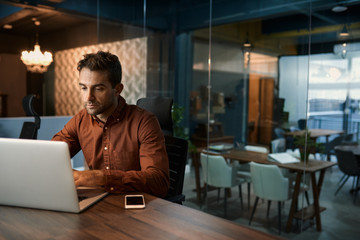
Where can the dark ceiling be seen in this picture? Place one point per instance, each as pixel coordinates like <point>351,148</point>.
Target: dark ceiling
<point>184,15</point>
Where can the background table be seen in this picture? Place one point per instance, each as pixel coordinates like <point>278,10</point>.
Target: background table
<point>108,219</point>
<point>315,133</point>
<point>311,167</point>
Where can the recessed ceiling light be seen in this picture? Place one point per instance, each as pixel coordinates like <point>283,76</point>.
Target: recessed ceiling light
<point>339,8</point>
<point>7,26</point>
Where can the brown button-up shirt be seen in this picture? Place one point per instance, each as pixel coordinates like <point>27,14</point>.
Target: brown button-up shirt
<point>129,148</point>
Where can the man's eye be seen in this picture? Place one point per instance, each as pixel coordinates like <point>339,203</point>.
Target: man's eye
<point>99,89</point>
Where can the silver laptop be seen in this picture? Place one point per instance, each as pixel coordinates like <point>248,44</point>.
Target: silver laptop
<point>38,174</point>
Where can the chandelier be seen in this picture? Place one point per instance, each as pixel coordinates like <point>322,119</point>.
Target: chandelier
<point>36,61</point>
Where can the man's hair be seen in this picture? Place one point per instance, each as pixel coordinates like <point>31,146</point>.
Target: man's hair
<point>103,61</point>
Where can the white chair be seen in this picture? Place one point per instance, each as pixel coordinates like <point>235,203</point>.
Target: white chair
<point>256,148</point>
<point>243,169</point>
<point>269,184</point>
<point>218,173</point>
<point>278,145</point>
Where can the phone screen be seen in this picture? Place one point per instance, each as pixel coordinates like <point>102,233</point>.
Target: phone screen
<point>134,201</point>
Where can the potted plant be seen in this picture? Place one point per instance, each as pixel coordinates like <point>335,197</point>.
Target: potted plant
<point>179,130</point>
<point>307,145</point>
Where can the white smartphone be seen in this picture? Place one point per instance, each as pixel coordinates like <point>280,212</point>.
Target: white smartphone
<point>134,201</point>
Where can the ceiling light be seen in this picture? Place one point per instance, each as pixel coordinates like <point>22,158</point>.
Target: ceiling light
<point>247,43</point>
<point>344,32</point>
<point>339,8</point>
<point>7,26</point>
<point>36,61</point>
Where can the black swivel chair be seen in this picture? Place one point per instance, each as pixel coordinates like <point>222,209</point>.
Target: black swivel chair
<point>161,107</point>
<point>30,129</point>
<point>349,165</point>
<point>177,150</point>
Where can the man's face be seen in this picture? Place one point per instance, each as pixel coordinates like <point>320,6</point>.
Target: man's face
<point>99,97</point>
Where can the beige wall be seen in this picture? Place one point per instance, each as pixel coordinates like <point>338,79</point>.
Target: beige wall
<point>13,83</point>
<point>132,54</point>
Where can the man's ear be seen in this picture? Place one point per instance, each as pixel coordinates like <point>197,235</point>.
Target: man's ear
<point>118,88</point>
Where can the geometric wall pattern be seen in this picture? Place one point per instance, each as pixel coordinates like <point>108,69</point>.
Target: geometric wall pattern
<point>132,56</point>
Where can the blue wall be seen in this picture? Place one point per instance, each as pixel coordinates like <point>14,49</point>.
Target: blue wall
<point>11,128</point>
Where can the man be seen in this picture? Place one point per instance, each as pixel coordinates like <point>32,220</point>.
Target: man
<point>122,144</point>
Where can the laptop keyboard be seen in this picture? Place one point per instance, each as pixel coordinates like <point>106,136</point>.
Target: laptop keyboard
<point>80,198</point>
<point>84,193</point>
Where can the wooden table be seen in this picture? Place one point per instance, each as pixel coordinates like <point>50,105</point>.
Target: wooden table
<point>108,219</point>
<point>315,133</point>
<point>300,168</point>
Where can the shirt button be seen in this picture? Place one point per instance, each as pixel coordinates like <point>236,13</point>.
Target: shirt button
<point>117,119</point>
<point>112,189</point>
<point>105,128</point>
<point>105,148</point>
<point>107,168</point>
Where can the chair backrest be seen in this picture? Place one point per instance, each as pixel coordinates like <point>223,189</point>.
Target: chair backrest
<point>333,143</point>
<point>347,162</point>
<point>161,108</point>
<point>302,124</point>
<point>30,129</point>
<point>177,150</point>
<point>256,148</point>
<point>349,137</point>
<point>278,145</point>
<point>269,182</point>
<point>279,132</point>
<point>216,171</point>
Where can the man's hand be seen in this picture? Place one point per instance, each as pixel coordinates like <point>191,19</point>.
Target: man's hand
<point>89,178</point>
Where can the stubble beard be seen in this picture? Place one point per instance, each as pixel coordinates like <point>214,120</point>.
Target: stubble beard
<point>99,108</point>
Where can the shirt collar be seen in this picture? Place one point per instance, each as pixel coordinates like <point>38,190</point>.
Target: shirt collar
<point>119,109</point>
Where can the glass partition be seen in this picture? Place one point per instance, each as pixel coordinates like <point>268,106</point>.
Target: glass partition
<point>244,76</point>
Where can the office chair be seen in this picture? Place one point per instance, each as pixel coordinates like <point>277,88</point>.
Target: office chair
<point>30,129</point>
<point>349,165</point>
<point>161,107</point>
<point>177,150</point>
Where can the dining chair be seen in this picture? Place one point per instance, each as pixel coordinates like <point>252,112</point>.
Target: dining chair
<point>161,107</point>
<point>349,165</point>
<point>177,151</point>
<point>330,146</point>
<point>243,169</point>
<point>256,148</point>
<point>269,184</point>
<point>218,173</point>
<point>278,145</point>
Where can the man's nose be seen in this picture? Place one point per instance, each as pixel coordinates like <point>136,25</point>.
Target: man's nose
<point>90,96</point>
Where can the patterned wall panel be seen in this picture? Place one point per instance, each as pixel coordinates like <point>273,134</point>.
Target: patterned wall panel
<point>132,55</point>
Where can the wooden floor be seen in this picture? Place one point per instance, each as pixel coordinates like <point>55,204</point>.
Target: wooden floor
<point>340,220</point>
